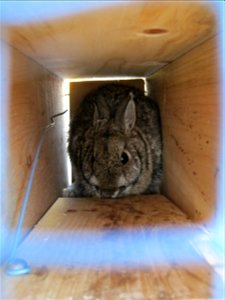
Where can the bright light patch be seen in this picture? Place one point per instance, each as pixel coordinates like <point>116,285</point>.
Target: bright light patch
<point>66,118</point>
<point>104,78</point>
<point>115,248</point>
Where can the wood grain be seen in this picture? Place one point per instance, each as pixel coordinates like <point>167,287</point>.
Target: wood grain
<point>188,91</point>
<point>35,95</point>
<point>77,216</point>
<point>128,39</point>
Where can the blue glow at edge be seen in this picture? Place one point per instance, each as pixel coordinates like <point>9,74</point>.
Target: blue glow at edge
<point>20,12</point>
<point>138,249</point>
<point>115,248</point>
<point>217,225</point>
<point>4,236</point>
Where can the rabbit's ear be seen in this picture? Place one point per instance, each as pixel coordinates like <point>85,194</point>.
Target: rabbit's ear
<point>95,115</point>
<point>101,111</point>
<point>126,116</point>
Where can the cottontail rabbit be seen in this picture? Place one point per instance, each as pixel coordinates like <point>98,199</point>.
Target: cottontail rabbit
<point>115,144</point>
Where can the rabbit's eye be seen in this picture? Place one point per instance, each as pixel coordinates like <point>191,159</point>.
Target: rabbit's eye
<point>124,158</point>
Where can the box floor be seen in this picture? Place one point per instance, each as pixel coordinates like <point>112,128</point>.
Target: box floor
<point>57,237</point>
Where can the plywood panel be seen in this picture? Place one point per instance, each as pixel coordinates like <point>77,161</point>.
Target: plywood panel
<point>35,95</point>
<point>73,217</point>
<point>188,92</point>
<point>125,39</point>
<point>78,90</point>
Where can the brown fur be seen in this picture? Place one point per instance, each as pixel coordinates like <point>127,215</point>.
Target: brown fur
<point>115,144</point>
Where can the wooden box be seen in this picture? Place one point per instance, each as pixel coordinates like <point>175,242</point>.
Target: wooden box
<point>53,52</point>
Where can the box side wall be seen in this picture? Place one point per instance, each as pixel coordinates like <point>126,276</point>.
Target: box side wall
<point>34,95</point>
<point>189,97</point>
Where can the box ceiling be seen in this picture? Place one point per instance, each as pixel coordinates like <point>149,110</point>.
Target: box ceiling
<point>127,39</point>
